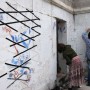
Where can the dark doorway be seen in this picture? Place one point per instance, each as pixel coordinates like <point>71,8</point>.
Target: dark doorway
<point>61,38</point>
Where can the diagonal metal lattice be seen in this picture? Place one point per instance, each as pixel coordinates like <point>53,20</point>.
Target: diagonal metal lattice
<point>19,42</point>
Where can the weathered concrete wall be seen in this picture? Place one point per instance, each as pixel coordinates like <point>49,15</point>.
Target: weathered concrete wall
<point>73,6</point>
<point>81,3</point>
<point>61,14</point>
<point>68,2</point>
<point>82,22</point>
<point>45,59</point>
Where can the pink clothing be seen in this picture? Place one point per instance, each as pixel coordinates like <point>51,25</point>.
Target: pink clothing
<point>76,72</point>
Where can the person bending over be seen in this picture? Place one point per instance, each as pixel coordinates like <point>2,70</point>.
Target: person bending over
<point>74,63</point>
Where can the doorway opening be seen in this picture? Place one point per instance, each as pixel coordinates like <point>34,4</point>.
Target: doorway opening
<point>61,38</point>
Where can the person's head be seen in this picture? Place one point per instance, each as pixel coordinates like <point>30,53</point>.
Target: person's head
<point>60,47</point>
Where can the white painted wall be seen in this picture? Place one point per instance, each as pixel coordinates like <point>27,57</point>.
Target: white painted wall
<point>59,13</point>
<point>82,23</point>
<point>44,61</point>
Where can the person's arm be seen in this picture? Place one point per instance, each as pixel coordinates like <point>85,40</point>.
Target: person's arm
<point>85,38</point>
<point>68,61</point>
